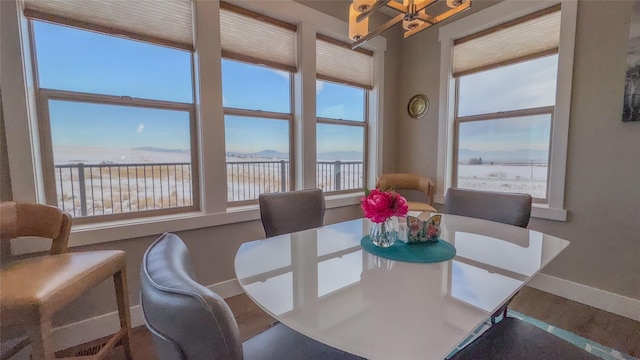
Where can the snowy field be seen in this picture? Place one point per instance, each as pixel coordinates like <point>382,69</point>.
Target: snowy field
<point>127,180</point>
<point>131,180</point>
<point>528,179</point>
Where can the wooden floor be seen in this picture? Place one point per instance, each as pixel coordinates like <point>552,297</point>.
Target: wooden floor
<point>605,328</point>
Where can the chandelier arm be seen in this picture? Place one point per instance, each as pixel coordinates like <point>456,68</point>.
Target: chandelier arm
<point>365,14</point>
<point>416,30</point>
<point>382,28</point>
<point>426,18</point>
<point>425,4</point>
<point>432,20</point>
<point>397,6</point>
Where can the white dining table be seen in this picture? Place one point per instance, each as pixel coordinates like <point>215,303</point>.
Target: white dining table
<point>323,284</point>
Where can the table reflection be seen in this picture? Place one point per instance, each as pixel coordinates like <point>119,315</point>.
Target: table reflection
<point>321,283</point>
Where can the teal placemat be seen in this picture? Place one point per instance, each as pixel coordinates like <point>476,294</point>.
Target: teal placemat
<point>418,253</point>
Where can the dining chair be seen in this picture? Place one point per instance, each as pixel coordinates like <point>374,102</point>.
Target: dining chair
<point>188,321</point>
<point>287,212</point>
<point>33,289</point>
<point>507,208</point>
<point>512,338</point>
<point>417,182</point>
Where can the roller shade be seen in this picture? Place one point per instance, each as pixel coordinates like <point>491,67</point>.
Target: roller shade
<point>336,61</point>
<point>167,22</point>
<point>255,38</point>
<point>531,36</point>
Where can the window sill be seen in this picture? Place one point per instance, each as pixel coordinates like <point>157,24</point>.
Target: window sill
<point>539,211</point>
<point>88,234</point>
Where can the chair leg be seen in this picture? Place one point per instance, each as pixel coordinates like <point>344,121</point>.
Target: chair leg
<point>122,297</point>
<point>41,344</point>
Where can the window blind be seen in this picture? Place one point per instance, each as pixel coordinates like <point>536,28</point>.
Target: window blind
<point>534,35</point>
<point>336,61</point>
<point>167,22</point>
<point>256,38</point>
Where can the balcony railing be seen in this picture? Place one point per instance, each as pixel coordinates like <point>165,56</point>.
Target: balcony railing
<point>100,189</point>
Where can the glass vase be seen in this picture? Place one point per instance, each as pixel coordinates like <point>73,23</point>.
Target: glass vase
<point>383,234</point>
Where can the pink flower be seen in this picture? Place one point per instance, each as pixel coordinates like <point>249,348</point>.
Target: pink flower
<point>378,205</point>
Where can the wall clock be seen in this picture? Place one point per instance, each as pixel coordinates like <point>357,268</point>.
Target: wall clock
<point>418,106</point>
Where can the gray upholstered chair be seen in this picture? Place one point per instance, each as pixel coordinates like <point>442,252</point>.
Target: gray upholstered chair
<point>516,339</point>
<point>283,213</point>
<point>190,322</point>
<point>416,182</point>
<point>507,208</point>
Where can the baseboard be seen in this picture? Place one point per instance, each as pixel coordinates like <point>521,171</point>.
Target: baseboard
<point>98,327</point>
<point>90,329</point>
<point>598,298</point>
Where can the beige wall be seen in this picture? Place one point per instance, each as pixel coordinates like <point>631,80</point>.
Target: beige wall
<point>602,192</point>
<point>5,179</point>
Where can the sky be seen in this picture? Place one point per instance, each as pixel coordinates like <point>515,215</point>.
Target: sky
<point>525,85</point>
<point>71,59</point>
<point>75,60</point>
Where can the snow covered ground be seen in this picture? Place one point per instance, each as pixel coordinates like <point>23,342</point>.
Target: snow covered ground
<point>529,179</point>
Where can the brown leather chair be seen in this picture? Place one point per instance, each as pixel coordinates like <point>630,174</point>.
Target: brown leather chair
<point>417,182</point>
<point>287,212</point>
<point>35,288</point>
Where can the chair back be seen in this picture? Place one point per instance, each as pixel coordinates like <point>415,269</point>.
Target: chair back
<point>507,208</point>
<point>407,182</point>
<point>288,212</point>
<point>25,219</point>
<point>187,320</point>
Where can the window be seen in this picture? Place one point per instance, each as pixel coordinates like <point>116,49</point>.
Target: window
<point>112,69</point>
<point>118,115</point>
<point>257,95</point>
<point>342,90</point>
<point>340,132</point>
<point>503,127</point>
<point>506,86</point>
<point>257,122</point>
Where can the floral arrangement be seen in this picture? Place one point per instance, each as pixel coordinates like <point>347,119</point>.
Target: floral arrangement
<point>378,205</point>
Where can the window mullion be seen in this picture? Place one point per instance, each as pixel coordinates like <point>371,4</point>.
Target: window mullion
<point>211,125</point>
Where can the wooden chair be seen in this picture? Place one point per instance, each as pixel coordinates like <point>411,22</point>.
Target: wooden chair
<point>283,213</point>
<point>417,182</point>
<point>32,290</point>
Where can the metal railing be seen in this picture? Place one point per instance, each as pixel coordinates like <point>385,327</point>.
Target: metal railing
<point>100,189</point>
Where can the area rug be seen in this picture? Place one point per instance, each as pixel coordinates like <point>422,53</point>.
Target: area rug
<point>593,347</point>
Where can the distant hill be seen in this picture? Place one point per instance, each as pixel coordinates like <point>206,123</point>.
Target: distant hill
<point>341,155</point>
<point>505,157</point>
<point>157,149</point>
<point>326,156</point>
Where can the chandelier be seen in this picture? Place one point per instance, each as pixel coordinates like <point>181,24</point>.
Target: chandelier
<point>413,15</point>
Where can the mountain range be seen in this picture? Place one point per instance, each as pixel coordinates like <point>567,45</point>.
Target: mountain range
<point>327,156</point>
<point>505,157</point>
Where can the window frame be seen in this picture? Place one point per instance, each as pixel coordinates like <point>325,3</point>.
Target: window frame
<point>492,16</point>
<point>363,124</point>
<point>24,148</point>
<point>44,95</point>
<point>271,115</point>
